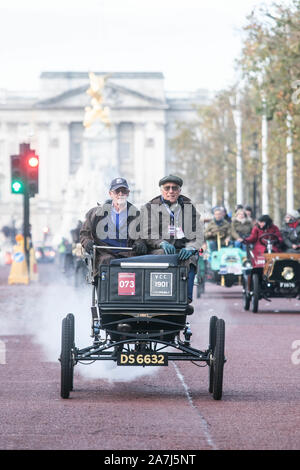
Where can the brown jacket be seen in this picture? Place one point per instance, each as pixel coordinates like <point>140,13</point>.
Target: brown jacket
<point>240,229</point>
<point>98,222</point>
<point>178,224</point>
<point>212,230</point>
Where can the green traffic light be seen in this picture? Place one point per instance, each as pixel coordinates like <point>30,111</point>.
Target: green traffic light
<point>17,187</point>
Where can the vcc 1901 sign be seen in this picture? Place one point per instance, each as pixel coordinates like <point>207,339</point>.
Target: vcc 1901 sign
<point>161,284</point>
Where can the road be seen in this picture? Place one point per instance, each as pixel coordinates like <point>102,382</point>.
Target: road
<point>114,408</point>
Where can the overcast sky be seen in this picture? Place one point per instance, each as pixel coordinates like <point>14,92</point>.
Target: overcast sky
<point>193,42</point>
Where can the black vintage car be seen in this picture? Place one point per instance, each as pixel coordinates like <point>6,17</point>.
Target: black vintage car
<point>140,316</point>
<point>270,275</point>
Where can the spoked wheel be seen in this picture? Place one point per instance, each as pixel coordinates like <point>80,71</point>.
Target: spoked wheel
<point>218,360</point>
<point>66,358</point>
<point>255,295</point>
<point>211,347</point>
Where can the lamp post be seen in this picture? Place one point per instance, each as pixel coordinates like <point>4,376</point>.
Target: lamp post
<point>254,155</point>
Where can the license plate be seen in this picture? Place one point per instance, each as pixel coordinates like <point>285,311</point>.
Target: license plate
<point>161,284</point>
<point>287,284</point>
<point>234,270</point>
<point>142,359</point>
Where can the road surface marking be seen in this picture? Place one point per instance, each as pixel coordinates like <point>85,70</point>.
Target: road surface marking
<point>2,352</point>
<point>204,423</point>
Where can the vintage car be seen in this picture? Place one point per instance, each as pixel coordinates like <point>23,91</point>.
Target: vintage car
<point>139,318</point>
<point>225,266</point>
<point>270,275</point>
<point>45,254</point>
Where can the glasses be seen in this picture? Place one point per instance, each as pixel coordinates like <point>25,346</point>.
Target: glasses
<point>121,190</point>
<point>171,188</point>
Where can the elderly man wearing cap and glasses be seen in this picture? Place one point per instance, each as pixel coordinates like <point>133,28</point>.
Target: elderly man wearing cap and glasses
<point>108,224</point>
<point>171,224</point>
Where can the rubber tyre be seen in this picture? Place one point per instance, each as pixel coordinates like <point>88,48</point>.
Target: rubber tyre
<point>228,282</point>
<point>211,347</point>
<point>66,359</point>
<point>246,301</point>
<point>255,295</point>
<point>219,359</point>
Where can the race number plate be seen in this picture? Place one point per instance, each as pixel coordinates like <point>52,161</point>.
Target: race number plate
<point>126,283</point>
<point>161,284</point>
<point>142,359</point>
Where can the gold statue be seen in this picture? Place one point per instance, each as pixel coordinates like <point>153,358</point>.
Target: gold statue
<point>96,110</point>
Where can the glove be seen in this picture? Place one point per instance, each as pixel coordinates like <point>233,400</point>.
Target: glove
<point>186,253</point>
<point>89,247</point>
<point>140,247</point>
<point>168,248</point>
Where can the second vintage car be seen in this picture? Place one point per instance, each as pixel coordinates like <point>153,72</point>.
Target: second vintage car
<point>270,275</point>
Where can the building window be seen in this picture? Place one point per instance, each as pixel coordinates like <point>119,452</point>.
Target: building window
<point>150,142</point>
<point>125,141</point>
<point>76,138</point>
<point>126,149</point>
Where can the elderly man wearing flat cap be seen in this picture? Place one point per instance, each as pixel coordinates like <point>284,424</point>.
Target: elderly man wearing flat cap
<point>108,224</point>
<point>173,226</point>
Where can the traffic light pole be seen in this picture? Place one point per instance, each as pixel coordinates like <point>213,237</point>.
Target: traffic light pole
<point>24,148</point>
<point>26,225</point>
<point>24,180</point>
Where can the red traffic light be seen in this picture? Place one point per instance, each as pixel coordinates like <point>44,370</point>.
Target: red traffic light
<point>33,161</point>
<point>32,172</point>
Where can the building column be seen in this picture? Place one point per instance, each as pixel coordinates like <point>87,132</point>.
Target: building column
<point>43,152</point>
<point>139,162</point>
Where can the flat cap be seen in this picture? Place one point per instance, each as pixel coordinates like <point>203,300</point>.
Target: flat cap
<point>171,179</point>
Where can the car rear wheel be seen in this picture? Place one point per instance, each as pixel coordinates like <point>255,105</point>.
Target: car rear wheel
<point>255,295</point>
<point>219,360</point>
<point>229,281</point>
<point>66,357</point>
<point>246,300</point>
<point>211,347</point>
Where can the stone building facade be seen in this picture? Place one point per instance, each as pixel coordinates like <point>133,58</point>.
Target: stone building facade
<point>71,180</point>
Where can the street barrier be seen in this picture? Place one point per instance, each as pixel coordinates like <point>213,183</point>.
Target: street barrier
<point>18,271</point>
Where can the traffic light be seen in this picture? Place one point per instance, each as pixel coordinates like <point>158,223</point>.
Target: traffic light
<point>17,174</point>
<point>31,166</point>
<point>25,171</point>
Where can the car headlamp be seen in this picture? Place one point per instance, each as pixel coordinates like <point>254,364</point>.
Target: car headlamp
<point>288,273</point>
